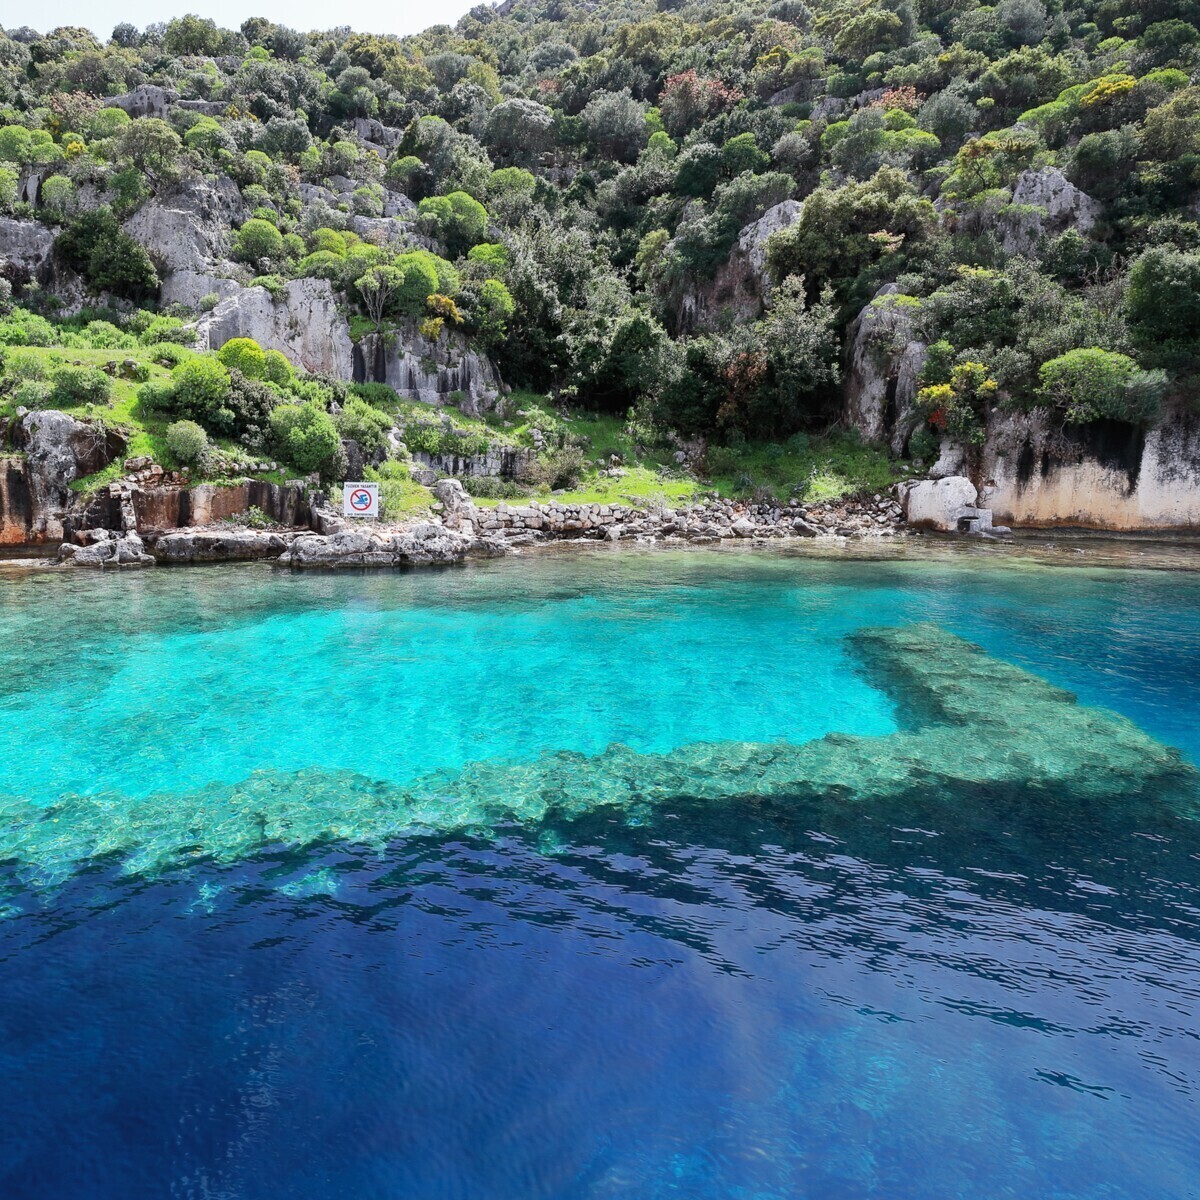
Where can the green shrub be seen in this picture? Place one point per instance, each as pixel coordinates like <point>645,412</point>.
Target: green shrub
<point>188,443</point>
<point>32,393</point>
<point>156,397</point>
<point>23,328</point>
<point>305,436</point>
<point>23,364</point>
<point>1090,384</point>
<point>360,422</point>
<point>276,368</point>
<point>80,385</point>
<point>244,354</point>
<point>200,392</point>
<point>423,437</point>
<point>258,242</point>
<point>167,329</point>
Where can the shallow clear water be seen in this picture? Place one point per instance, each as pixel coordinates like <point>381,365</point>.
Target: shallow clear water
<point>931,997</point>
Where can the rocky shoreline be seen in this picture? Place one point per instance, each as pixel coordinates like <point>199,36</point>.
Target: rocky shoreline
<point>460,529</point>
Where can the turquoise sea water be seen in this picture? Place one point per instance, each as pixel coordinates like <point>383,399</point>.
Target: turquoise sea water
<point>937,996</point>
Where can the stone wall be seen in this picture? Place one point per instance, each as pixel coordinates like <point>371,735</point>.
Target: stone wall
<point>206,504</point>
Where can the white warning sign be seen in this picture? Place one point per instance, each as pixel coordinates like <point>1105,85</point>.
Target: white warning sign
<point>360,499</point>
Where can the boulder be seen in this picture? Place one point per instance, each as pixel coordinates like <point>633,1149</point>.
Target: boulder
<point>211,545</point>
<point>304,324</point>
<point>1045,203</point>
<point>885,360</point>
<point>107,549</point>
<point>937,503</point>
<point>424,542</point>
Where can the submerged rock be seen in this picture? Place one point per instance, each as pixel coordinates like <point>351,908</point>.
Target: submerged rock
<point>973,731</point>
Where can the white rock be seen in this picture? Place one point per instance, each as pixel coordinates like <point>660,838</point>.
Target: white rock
<point>937,503</point>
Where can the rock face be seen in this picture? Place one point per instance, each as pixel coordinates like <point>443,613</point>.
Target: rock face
<point>25,250</point>
<point>1062,206</point>
<point>304,324</point>
<point>206,504</point>
<point>443,372</point>
<point>35,494</point>
<point>1105,475</point>
<point>937,504</point>
<point>187,235</point>
<point>741,287</point>
<point>500,462</point>
<point>884,366</point>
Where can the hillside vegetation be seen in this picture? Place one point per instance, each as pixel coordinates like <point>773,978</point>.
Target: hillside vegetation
<point>657,220</point>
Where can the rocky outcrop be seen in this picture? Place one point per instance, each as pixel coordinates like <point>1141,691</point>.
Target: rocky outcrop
<point>1044,203</point>
<point>106,549</point>
<point>26,248</point>
<point>447,371</point>
<point>303,323</point>
<point>206,504</point>
<point>741,287</point>
<point>187,235</point>
<point>1105,475</point>
<point>499,462</point>
<point>219,545</point>
<point>56,450</point>
<point>422,543</point>
<point>884,362</point>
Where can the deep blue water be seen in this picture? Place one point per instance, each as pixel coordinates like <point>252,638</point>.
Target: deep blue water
<point>926,999</point>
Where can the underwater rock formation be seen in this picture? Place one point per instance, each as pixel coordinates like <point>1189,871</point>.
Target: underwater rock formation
<point>972,730</point>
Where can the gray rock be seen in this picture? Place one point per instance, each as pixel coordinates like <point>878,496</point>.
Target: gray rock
<point>886,357</point>
<point>937,503</point>
<point>304,324</point>
<point>147,100</point>
<point>1062,206</point>
<point>113,550</point>
<point>219,545</point>
<point>26,247</point>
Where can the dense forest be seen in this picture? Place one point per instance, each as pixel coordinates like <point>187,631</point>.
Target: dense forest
<point>673,211</point>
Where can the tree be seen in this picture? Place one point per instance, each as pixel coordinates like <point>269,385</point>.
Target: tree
<point>153,147</point>
<point>1162,306</point>
<point>378,288</point>
<point>520,129</point>
<point>616,125</point>
<point>458,219</point>
<point>191,35</point>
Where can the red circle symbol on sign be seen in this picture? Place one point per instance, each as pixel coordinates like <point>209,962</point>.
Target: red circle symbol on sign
<point>360,500</point>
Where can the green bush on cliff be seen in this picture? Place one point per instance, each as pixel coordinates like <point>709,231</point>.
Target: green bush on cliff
<point>305,436</point>
<point>188,443</point>
<point>1090,384</point>
<point>80,385</point>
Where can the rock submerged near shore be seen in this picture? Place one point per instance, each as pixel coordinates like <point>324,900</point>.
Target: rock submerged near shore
<point>461,529</point>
